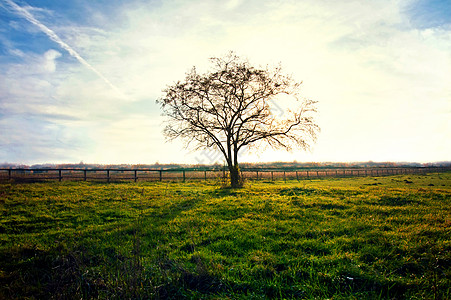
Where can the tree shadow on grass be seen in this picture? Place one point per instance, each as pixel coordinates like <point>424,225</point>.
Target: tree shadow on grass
<point>28,272</point>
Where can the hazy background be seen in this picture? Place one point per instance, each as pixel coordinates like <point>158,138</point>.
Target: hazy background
<point>79,79</point>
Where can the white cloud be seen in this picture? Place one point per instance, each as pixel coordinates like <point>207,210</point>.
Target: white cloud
<point>50,56</point>
<point>25,13</point>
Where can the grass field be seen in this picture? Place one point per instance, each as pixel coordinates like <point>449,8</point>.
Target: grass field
<point>352,238</point>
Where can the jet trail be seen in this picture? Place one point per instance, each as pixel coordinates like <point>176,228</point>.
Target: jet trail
<point>54,37</point>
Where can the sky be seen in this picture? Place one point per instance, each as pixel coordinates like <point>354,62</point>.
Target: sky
<point>79,79</point>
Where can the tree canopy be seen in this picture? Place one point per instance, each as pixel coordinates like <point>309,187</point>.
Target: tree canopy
<point>229,108</point>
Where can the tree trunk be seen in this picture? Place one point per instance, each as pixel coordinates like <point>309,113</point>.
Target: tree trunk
<point>235,180</point>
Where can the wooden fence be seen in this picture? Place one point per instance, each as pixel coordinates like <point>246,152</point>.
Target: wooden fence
<point>135,175</point>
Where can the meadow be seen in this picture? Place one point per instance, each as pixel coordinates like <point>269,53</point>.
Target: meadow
<point>337,238</point>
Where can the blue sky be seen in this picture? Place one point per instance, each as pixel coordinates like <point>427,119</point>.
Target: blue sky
<point>79,79</point>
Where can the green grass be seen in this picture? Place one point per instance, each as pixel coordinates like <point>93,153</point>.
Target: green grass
<point>352,238</point>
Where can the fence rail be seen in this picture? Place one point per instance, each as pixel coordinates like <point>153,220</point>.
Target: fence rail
<point>135,175</point>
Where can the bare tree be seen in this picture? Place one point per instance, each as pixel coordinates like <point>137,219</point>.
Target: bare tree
<point>229,108</point>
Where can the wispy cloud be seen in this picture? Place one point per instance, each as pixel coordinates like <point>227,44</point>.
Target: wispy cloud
<point>23,12</point>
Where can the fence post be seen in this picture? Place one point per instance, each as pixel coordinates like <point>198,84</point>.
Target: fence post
<point>205,175</point>
<point>161,175</point>
<point>284,176</point>
<point>60,175</point>
<point>84,175</point>
<point>9,174</point>
<point>257,175</point>
<point>108,175</point>
<point>136,175</point>
<point>272,175</point>
<point>183,175</point>
<point>308,175</point>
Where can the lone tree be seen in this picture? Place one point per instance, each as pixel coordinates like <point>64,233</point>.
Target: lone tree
<point>228,108</point>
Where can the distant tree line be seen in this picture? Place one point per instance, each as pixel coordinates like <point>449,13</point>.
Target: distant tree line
<point>269,165</point>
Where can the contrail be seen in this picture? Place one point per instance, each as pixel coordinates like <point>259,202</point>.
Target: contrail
<point>54,37</point>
